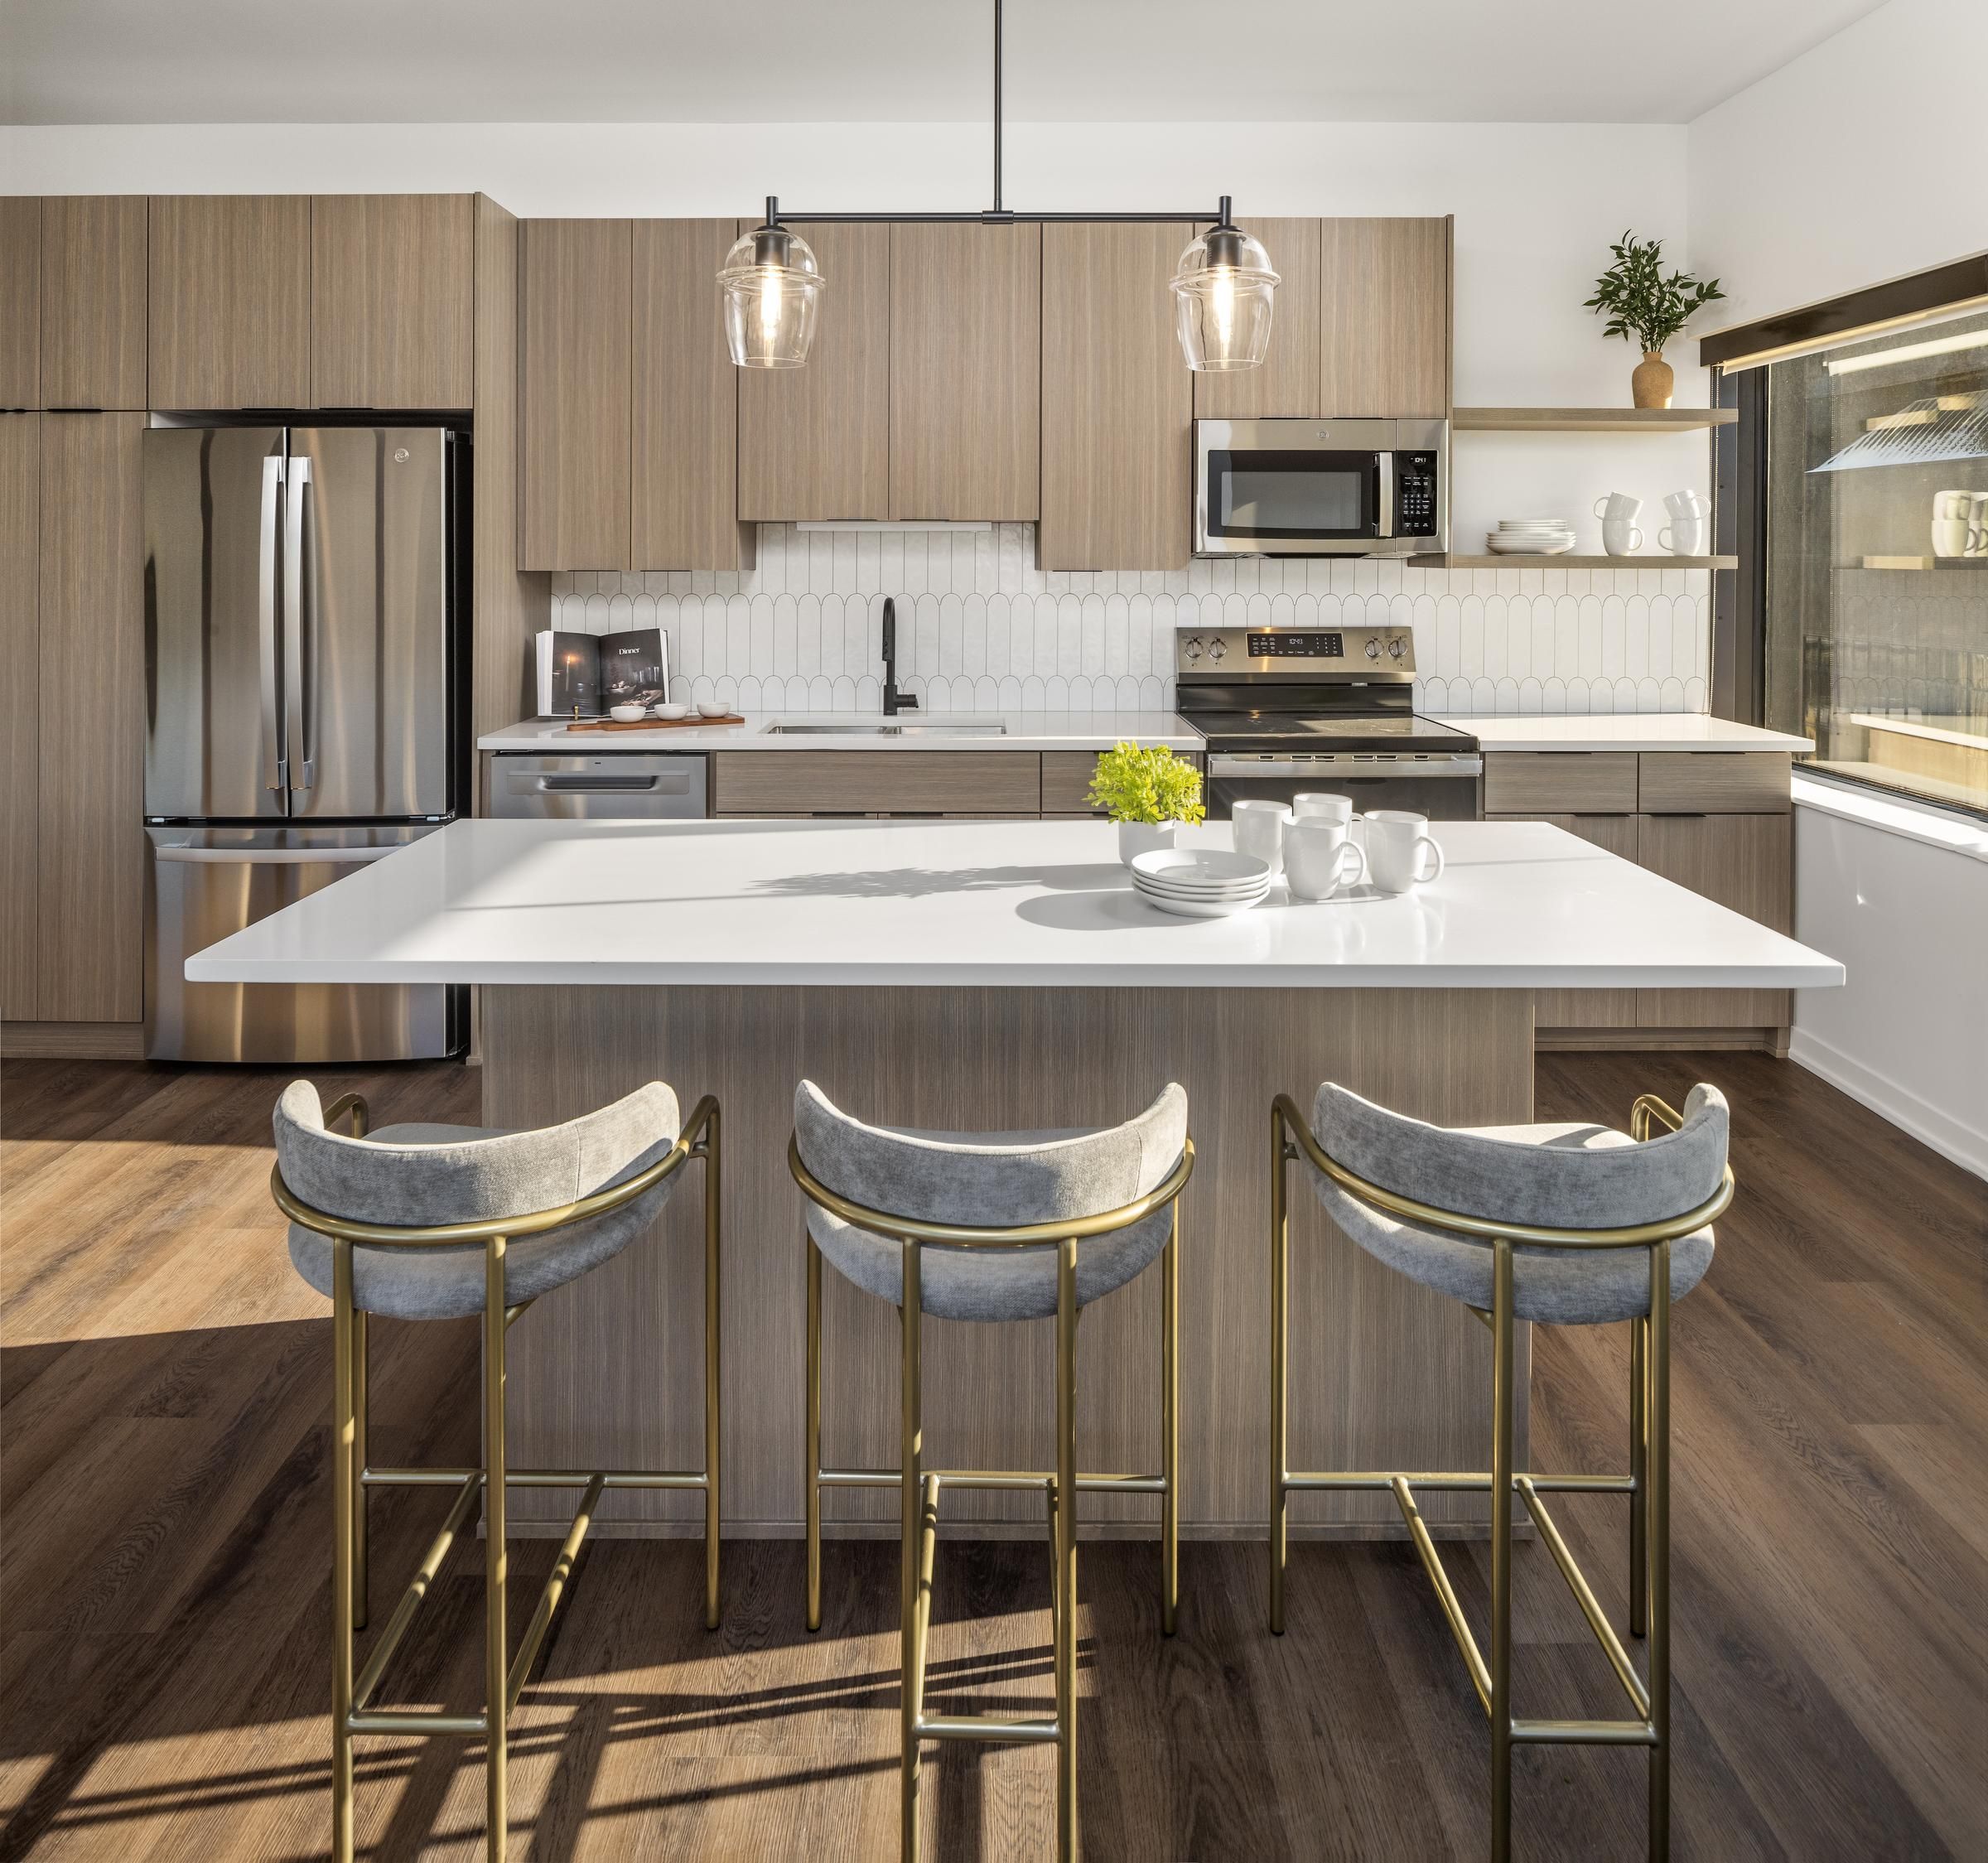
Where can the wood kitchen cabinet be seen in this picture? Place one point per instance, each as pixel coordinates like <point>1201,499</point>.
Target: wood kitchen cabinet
<point>1116,400</point>
<point>19,300</point>
<point>574,376</point>
<point>392,300</point>
<point>93,249</point>
<point>19,714</point>
<point>1287,383</point>
<point>965,385</point>
<point>90,653</point>
<point>814,443</point>
<point>228,308</point>
<point>1585,1009</point>
<point>1384,318</point>
<point>804,782</point>
<point>685,404</point>
<point>1742,861</point>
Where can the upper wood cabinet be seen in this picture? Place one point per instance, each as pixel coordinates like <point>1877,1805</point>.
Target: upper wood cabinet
<point>966,385</point>
<point>19,714</point>
<point>574,304</point>
<point>19,300</point>
<point>392,300</point>
<point>93,301</point>
<point>685,434</point>
<point>1116,400</point>
<point>1287,381</point>
<point>229,305</point>
<point>1384,318</point>
<point>814,443</point>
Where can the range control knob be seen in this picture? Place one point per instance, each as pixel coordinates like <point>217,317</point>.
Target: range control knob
<point>1192,649</point>
<point>1216,650</point>
<point>1396,647</point>
<point>1373,647</point>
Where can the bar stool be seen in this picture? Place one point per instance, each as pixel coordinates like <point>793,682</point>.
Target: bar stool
<point>1535,1222</point>
<point>433,1221</point>
<point>990,1227</point>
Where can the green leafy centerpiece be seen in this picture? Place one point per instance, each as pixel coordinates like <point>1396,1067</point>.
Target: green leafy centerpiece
<point>1639,302</point>
<point>1148,791</point>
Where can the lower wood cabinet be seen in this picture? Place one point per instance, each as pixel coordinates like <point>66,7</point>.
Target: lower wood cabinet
<point>1742,861</point>
<point>807,783</point>
<point>1586,1009</point>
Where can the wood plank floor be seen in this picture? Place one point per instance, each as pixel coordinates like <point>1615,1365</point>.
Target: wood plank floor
<point>164,1595</point>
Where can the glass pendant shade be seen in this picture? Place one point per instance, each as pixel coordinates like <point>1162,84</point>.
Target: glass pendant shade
<point>1225,293</point>
<point>771,285</point>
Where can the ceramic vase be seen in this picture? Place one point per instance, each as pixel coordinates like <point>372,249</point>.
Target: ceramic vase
<point>1136,838</point>
<point>1653,380</point>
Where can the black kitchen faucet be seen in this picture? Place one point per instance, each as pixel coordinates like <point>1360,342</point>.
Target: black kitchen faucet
<point>895,701</point>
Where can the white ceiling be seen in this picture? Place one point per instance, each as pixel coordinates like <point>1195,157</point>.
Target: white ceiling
<point>891,60</point>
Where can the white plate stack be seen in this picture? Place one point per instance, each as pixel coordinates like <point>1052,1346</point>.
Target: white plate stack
<point>1200,883</point>
<point>1531,537</point>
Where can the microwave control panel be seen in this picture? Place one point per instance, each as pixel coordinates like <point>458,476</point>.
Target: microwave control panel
<point>1415,495</point>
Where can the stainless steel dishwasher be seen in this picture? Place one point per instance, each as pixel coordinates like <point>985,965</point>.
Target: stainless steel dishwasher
<point>615,786</point>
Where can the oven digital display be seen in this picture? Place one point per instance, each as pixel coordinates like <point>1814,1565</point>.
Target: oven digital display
<point>1300,646</point>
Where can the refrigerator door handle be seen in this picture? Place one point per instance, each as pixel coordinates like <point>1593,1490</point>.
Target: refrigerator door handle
<point>300,684</point>
<point>276,764</point>
<point>273,856</point>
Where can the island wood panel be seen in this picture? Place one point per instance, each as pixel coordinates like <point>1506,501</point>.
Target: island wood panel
<point>889,782</point>
<point>683,504</point>
<point>19,714</point>
<point>1745,862</point>
<point>1384,318</point>
<point>92,300</point>
<point>574,380</point>
<point>228,306</point>
<point>1713,782</point>
<point>1537,783</point>
<point>19,300</point>
<point>92,644</point>
<point>966,360</point>
<point>511,604</point>
<point>392,300</point>
<point>814,443</point>
<point>1117,400</point>
<point>608,1371</point>
<point>1586,1009</point>
<point>1286,382</point>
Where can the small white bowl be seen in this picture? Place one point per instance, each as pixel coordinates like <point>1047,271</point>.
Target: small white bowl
<point>672,710</point>
<point>628,714</point>
<point>706,709</point>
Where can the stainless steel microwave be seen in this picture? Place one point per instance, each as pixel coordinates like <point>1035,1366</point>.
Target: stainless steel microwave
<point>1305,488</point>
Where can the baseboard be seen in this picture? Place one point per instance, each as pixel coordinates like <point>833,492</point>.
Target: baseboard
<point>1631,1041</point>
<point>1904,1108</point>
<point>72,1041</point>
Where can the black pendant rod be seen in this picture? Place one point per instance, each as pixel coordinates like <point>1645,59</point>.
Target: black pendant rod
<point>996,215</point>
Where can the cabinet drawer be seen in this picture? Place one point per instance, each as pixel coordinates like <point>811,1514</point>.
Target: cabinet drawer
<point>1713,782</point>
<point>1559,782</point>
<point>1066,780</point>
<point>842,782</point>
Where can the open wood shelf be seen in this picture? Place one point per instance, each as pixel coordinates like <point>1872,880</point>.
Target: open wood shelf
<point>1456,562</point>
<point>1590,420</point>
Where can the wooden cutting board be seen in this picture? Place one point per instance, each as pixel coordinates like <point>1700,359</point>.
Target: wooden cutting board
<point>651,724</point>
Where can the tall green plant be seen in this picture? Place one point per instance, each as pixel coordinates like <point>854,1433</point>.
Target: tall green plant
<point>1137,783</point>
<point>1639,300</point>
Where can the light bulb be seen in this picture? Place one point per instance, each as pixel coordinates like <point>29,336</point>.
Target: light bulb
<point>1222,306</point>
<point>772,308</point>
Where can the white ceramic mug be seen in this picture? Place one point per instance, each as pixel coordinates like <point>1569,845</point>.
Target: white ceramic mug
<point>1977,526</point>
<point>1258,828</point>
<point>1398,843</point>
<point>1322,803</point>
<point>1952,537</point>
<point>1688,505</point>
<point>1620,537</point>
<point>1685,536</point>
<point>1949,504</point>
<point>1618,504</point>
<point>1319,858</point>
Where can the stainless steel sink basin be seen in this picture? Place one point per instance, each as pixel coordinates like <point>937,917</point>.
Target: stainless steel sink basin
<point>888,727</point>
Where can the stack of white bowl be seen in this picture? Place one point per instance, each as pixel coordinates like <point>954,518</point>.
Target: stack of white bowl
<point>1200,882</point>
<point>1531,537</point>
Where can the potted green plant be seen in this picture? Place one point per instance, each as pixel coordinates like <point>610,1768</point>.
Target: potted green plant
<point>1148,791</point>
<point>1639,302</point>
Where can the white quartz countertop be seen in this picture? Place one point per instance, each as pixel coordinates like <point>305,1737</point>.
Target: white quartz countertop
<point>935,731</point>
<point>1043,903</point>
<point>1622,731</point>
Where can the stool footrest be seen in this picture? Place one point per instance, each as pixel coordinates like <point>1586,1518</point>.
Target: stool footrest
<point>1585,1733</point>
<point>538,1477</point>
<point>414,1721</point>
<point>995,1727</point>
<point>1381,1481</point>
<point>993,1477</point>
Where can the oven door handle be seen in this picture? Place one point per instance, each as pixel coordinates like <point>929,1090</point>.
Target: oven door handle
<point>1343,766</point>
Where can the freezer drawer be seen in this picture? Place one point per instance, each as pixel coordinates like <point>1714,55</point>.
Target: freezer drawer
<point>201,885</point>
<point>628,785</point>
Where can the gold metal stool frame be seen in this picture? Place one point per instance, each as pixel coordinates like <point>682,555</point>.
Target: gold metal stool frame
<point>919,1486</point>
<point>503,1677</point>
<point>1647,1484</point>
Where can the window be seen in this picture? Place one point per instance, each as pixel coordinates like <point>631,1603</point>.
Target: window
<point>1877,557</point>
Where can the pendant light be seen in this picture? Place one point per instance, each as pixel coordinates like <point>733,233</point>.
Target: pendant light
<point>1224,294</point>
<point>771,284</point>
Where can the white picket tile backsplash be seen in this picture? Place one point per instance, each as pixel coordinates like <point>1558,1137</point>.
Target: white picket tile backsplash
<point>981,628</point>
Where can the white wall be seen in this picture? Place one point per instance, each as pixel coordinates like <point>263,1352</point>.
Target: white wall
<point>1860,161</point>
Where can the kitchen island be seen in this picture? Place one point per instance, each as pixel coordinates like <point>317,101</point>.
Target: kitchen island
<point>976,975</point>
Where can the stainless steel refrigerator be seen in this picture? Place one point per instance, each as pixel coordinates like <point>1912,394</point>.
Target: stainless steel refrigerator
<point>303,713</point>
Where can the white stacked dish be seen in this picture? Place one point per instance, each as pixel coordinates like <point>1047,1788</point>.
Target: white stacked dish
<point>1200,882</point>
<point>1531,537</point>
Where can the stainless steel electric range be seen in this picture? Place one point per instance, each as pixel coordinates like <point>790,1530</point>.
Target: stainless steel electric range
<point>1290,709</point>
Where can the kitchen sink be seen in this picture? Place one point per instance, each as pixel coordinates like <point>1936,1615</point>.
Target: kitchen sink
<point>888,727</point>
